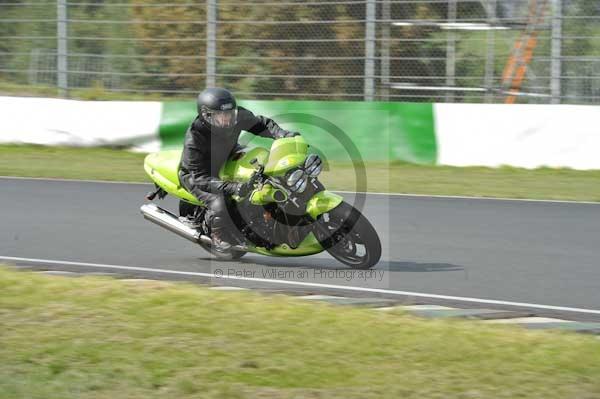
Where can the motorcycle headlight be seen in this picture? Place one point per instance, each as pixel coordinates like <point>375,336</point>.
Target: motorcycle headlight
<point>300,186</point>
<point>313,165</point>
<point>297,181</point>
<point>294,177</point>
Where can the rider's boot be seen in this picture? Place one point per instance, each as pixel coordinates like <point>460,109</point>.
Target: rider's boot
<point>218,235</point>
<point>191,222</point>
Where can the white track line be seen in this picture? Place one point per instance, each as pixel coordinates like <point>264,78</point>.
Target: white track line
<point>305,284</point>
<point>405,195</point>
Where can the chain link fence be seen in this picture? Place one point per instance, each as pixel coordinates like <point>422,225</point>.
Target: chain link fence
<point>529,51</point>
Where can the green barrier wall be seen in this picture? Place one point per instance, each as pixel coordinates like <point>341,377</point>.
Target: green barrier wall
<point>381,131</point>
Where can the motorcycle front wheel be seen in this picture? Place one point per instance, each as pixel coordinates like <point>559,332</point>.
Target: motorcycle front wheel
<point>349,237</point>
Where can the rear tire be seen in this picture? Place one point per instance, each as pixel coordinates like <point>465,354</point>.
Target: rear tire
<point>186,209</point>
<point>349,237</point>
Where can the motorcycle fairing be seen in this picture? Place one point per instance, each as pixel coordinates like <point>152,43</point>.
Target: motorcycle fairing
<point>322,202</point>
<point>308,246</point>
<point>163,169</point>
<point>241,168</point>
<point>286,154</point>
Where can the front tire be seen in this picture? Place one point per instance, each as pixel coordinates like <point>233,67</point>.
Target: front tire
<point>349,237</point>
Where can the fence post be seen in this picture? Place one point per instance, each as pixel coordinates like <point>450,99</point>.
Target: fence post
<point>370,16</point>
<point>386,16</point>
<point>451,52</point>
<point>556,67</point>
<point>62,80</point>
<point>490,59</point>
<point>211,42</point>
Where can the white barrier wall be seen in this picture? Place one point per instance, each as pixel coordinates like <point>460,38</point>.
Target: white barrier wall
<point>80,123</point>
<point>526,136</point>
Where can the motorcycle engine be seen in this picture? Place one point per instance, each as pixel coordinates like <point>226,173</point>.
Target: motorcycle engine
<point>259,228</point>
<point>270,226</point>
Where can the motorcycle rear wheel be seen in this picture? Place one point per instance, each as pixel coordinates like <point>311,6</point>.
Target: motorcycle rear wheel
<point>349,237</point>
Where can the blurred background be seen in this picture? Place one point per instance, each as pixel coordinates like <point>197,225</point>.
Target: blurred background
<point>525,51</point>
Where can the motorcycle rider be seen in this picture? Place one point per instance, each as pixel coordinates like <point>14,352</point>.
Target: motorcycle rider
<point>209,142</point>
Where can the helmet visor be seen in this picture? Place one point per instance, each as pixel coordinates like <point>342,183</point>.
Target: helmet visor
<point>222,118</point>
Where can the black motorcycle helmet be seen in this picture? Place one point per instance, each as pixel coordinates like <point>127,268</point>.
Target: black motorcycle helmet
<point>217,107</point>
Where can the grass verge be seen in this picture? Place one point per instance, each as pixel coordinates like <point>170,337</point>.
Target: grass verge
<point>105,338</point>
<point>96,92</point>
<point>71,163</point>
<point>109,164</point>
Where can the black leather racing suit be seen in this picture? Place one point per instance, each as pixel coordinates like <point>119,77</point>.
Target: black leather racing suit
<point>207,148</point>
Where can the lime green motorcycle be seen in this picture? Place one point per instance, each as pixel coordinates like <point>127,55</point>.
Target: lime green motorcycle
<point>289,212</point>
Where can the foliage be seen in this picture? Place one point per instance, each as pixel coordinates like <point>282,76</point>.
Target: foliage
<point>135,45</point>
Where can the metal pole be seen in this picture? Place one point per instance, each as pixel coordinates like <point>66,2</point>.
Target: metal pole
<point>451,51</point>
<point>61,48</point>
<point>556,67</point>
<point>211,42</point>
<point>386,15</point>
<point>369,87</point>
<point>491,52</point>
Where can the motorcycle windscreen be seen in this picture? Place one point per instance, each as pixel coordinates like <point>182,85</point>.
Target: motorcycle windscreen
<point>286,154</point>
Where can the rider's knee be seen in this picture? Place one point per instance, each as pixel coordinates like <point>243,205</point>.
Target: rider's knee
<point>217,204</point>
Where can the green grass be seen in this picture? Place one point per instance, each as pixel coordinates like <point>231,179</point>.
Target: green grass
<point>118,165</point>
<point>508,182</point>
<point>97,92</point>
<point>103,338</point>
<point>71,163</point>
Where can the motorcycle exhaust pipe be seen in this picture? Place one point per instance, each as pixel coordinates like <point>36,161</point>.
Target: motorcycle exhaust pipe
<point>167,220</point>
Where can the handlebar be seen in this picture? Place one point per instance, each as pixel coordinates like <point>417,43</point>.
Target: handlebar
<point>258,175</point>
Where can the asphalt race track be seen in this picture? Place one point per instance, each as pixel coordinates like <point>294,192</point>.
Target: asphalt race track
<point>544,253</point>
